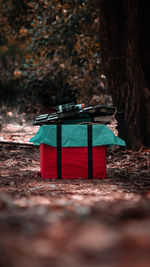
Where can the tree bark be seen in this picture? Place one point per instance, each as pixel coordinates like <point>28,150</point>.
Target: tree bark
<point>124,52</point>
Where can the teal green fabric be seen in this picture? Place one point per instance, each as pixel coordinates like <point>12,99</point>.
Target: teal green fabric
<point>76,136</point>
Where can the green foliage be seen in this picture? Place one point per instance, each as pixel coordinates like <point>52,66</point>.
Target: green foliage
<point>51,47</point>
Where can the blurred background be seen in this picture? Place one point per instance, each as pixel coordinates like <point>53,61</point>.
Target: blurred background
<point>50,54</point>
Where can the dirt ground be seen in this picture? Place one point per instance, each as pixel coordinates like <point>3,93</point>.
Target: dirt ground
<point>71,223</point>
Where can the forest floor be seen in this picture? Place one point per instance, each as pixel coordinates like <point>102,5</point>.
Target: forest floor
<point>71,223</point>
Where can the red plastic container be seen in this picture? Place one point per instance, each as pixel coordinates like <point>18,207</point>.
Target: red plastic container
<point>74,162</point>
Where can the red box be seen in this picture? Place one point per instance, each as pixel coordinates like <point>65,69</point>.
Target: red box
<point>74,162</point>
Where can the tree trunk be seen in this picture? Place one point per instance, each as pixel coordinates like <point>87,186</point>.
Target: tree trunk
<point>124,51</point>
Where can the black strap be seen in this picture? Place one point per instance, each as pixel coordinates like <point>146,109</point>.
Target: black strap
<point>90,158</point>
<point>59,152</point>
